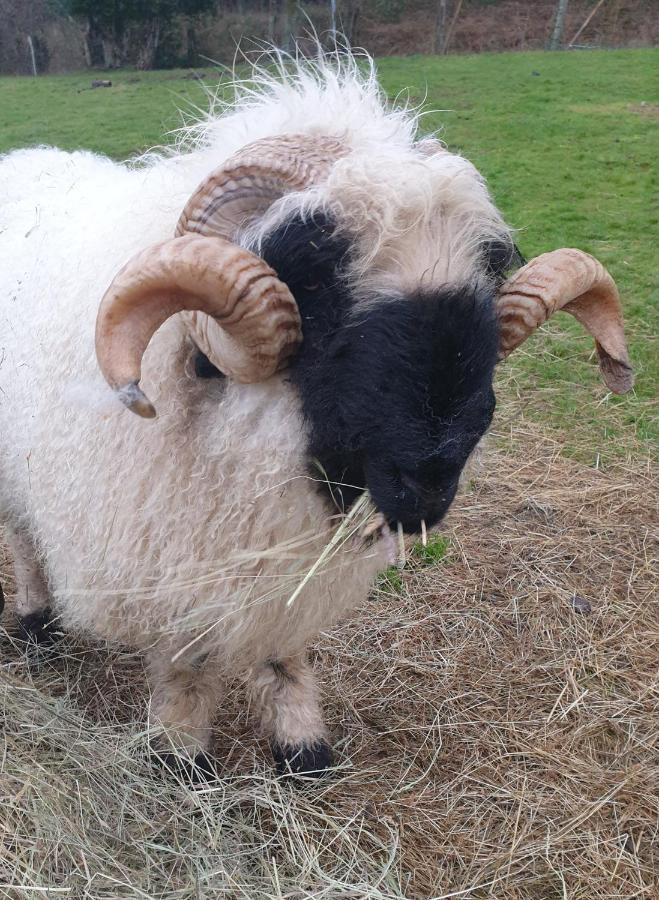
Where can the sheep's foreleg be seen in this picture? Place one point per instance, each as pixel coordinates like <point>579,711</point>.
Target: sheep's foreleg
<point>35,618</point>
<point>184,697</point>
<point>287,697</point>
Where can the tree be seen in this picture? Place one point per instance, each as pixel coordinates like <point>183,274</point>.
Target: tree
<point>559,25</point>
<point>441,24</point>
<point>108,24</point>
<point>351,13</point>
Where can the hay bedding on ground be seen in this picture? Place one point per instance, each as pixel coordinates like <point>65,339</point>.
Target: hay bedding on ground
<point>496,739</point>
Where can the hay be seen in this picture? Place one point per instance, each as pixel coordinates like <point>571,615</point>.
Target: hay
<point>495,714</point>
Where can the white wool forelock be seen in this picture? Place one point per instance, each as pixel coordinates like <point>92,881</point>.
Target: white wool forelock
<point>414,222</point>
<point>194,530</point>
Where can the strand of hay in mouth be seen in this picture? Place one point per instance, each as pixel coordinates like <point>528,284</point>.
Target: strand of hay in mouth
<point>494,738</point>
<point>355,522</point>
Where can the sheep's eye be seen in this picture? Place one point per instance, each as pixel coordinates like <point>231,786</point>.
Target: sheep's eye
<point>204,368</point>
<point>311,287</point>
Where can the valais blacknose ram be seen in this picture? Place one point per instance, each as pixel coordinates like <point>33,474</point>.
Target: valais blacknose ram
<point>314,299</point>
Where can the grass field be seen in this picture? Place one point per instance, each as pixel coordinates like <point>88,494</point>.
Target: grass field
<point>567,141</point>
<point>495,705</point>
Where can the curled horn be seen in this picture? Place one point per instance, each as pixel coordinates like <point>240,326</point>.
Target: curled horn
<point>236,288</point>
<point>579,284</point>
<point>249,182</point>
<point>202,271</point>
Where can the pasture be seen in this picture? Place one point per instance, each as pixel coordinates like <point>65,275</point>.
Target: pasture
<point>494,705</point>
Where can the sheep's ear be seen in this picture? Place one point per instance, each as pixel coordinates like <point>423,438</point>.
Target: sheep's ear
<point>576,282</point>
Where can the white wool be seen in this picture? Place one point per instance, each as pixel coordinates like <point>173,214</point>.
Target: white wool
<point>203,521</point>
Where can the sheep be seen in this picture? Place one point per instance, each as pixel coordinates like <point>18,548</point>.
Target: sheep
<point>316,300</point>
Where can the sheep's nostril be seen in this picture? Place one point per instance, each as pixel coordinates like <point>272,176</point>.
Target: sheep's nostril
<point>415,486</point>
<point>410,482</point>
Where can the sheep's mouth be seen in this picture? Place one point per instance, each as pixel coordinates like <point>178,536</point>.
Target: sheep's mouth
<point>378,530</point>
<point>378,527</point>
<point>417,511</point>
<point>375,529</point>
<point>377,533</point>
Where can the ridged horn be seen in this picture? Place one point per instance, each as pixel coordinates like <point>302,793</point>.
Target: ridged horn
<point>578,283</point>
<point>234,287</point>
<point>212,282</point>
<point>249,182</point>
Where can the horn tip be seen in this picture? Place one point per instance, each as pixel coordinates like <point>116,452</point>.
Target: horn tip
<point>620,380</point>
<point>134,399</point>
<point>616,371</point>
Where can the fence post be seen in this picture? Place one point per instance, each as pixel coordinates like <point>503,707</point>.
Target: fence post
<point>32,56</point>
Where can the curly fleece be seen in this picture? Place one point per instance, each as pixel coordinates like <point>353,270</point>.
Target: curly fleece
<point>203,521</point>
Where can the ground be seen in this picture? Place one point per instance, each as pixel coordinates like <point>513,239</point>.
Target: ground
<point>494,706</point>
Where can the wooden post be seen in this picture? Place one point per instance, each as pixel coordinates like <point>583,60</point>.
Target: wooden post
<point>352,17</point>
<point>449,33</point>
<point>440,26</point>
<point>273,21</point>
<point>333,23</point>
<point>32,56</point>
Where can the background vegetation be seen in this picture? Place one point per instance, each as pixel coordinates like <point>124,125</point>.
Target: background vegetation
<point>65,35</point>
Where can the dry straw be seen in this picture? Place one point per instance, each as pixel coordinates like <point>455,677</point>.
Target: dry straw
<point>495,715</point>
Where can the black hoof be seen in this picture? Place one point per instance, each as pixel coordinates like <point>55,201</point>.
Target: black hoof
<point>40,627</point>
<point>312,761</point>
<point>196,771</point>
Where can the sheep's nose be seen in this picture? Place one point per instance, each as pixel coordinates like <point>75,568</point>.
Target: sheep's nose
<point>417,487</point>
<point>430,503</point>
<point>410,482</point>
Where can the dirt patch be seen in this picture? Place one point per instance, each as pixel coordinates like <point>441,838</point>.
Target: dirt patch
<point>495,716</point>
<point>651,110</point>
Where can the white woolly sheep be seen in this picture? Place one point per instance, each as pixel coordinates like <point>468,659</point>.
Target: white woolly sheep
<point>365,362</point>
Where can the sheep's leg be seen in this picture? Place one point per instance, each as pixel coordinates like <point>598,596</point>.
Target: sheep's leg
<point>36,621</point>
<point>184,697</point>
<point>287,697</point>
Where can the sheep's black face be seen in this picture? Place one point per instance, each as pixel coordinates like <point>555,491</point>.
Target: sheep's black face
<point>397,391</point>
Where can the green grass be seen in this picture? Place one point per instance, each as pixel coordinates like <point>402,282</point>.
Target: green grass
<point>568,143</point>
<point>433,551</point>
<point>134,114</point>
<point>390,581</point>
